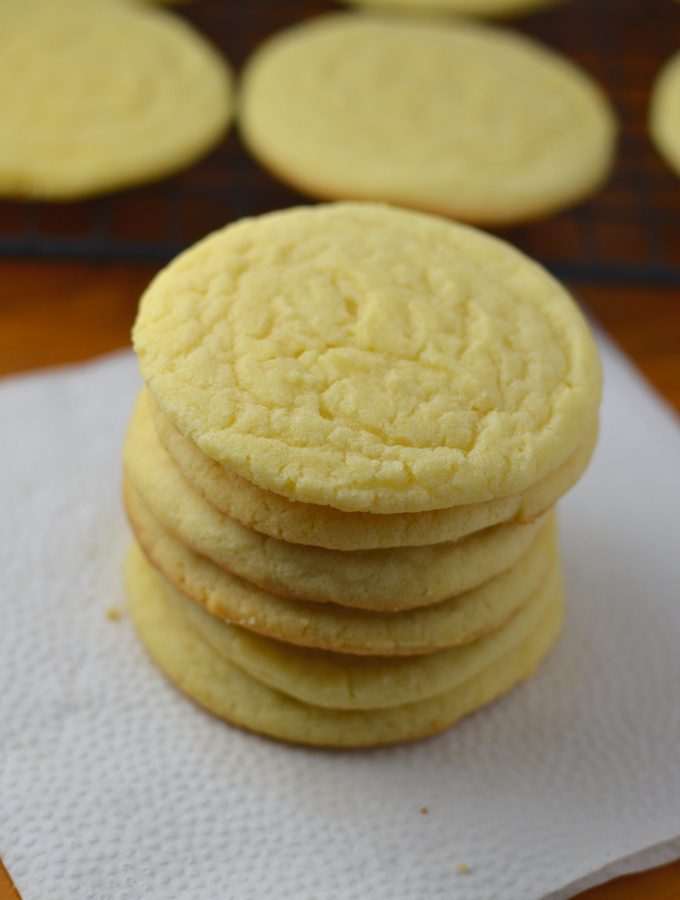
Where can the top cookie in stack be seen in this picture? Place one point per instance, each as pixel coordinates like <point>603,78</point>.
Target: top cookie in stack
<point>356,421</point>
<point>353,375</point>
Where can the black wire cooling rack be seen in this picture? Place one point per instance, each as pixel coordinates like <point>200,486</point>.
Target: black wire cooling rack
<point>629,232</point>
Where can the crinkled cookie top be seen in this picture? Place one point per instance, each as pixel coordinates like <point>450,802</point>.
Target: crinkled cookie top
<point>369,358</point>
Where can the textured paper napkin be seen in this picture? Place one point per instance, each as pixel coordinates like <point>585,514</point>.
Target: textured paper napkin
<point>112,785</point>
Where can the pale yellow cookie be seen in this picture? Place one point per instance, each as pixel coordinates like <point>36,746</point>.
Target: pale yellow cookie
<point>664,121</point>
<point>458,620</point>
<point>468,120</point>
<point>102,95</point>
<point>324,526</point>
<point>227,691</point>
<point>387,580</point>
<point>370,359</point>
<point>491,8</point>
<point>341,681</point>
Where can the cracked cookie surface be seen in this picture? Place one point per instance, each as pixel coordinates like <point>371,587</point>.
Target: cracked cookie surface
<point>324,526</point>
<point>369,358</point>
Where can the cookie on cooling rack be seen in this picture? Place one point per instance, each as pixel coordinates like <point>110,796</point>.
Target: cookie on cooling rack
<point>118,94</point>
<point>664,121</point>
<point>464,119</point>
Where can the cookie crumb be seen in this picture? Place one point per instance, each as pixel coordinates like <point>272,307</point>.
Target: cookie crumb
<point>424,810</point>
<point>113,613</point>
<point>463,869</point>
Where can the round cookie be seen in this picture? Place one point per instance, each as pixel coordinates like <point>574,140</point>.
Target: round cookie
<point>369,358</point>
<point>324,526</point>
<point>118,94</point>
<point>455,621</point>
<point>387,580</point>
<point>491,8</point>
<point>340,681</point>
<point>454,117</point>
<point>664,121</point>
<point>227,691</point>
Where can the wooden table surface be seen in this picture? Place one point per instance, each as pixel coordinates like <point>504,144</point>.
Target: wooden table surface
<point>52,313</point>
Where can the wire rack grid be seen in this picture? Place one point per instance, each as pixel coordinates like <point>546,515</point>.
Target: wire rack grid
<point>629,232</point>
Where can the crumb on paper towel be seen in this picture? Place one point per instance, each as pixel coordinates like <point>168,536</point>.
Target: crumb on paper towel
<point>463,869</point>
<point>424,810</point>
<point>113,613</point>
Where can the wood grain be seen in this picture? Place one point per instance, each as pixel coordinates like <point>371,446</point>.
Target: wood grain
<point>7,889</point>
<point>52,313</point>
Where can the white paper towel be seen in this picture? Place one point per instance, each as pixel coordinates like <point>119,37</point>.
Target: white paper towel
<point>112,785</point>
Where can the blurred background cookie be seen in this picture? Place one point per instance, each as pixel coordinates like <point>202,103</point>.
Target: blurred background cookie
<point>479,123</point>
<point>664,120</point>
<point>113,94</point>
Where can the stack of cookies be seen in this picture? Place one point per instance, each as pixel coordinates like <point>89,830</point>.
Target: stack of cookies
<point>342,469</point>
